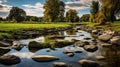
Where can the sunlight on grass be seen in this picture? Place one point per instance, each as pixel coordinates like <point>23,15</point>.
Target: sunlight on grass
<point>18,26</point>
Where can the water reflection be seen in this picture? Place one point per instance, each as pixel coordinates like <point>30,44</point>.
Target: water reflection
<point>26,41</point>
<point>27,55</point>
<point>113,56</point>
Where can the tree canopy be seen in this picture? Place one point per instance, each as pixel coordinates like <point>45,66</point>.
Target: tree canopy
<point>71,16</point>
<point>85,18</point>
<point>53,10</point>
<point>17,14</point>
<point>110,8</point>
<point>94,10</point>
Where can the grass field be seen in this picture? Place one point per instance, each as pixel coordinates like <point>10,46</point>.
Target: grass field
<point>6,28</point>
<point>18,26</point>
<point>114,26</point>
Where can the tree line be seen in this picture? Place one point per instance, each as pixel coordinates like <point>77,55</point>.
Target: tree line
<point>101,11</point>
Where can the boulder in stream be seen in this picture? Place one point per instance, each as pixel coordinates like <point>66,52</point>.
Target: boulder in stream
<point>4,50</point>
<point>105,37</point>
<point>60,64</point>
<point>44,58</point>
<point>115,40</point>
<point>91,48</point>
<point>3,44</point>
<point>88,63</point>
<point>9,59</point>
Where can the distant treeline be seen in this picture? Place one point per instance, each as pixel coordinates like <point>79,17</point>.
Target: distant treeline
<point>55,12</point>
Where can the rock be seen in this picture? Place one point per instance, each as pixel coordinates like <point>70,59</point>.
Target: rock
<point>77,51</point>
<point>105,37</point>
<point>3,44</point>
<point>70,54</point>
<point>74,40</point>
<point>67,51</point>
<point>100,58</point>
<point>88,63</point>
<point>95,31</point>
<point>87,38</point>
<point>110,32</point>
<point>18,47</point>
<point>115,40</point>
<point>9,59</point>
<point>60,64</point>
<point>44,58</point>
<point>56,37</point>
<point>82,35</point>
<point>106,45</point>
<point>60,44</point>
<point>4,50</point>
<point>82,43</point>
<point>35,44</point>
<point>91,48</point>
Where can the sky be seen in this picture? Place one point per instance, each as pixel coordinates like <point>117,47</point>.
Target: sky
<point>35,7</point>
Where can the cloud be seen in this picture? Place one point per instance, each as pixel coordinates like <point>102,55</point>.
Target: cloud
<point>5,8</point>
<point>78,4</point>
<point>34,10</point>
<point>2,1</point>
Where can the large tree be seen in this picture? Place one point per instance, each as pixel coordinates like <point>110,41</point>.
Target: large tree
<point>17,14</point>
<point>71,16</point>
<point>85,18</point>
<point>94,10</point>
<point>53,10</point>
<point>110,8</point>
<point>62,10</point>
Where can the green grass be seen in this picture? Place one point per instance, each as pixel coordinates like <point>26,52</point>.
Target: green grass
<point>7,29</point>
<point>114,26</point>
<point>18,26</point>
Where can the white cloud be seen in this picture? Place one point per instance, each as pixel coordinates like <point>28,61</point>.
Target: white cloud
<point>34,10</point>
<point>78,4</point>
<point>1,1</point>
<point>5,8</point>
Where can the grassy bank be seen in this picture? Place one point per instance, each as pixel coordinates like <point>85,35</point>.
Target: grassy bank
<point>114,26</point>
<point>18,26</point>
<point>7,28</point>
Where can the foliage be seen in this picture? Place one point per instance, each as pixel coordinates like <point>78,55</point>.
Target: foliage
<point>62,10</point>
<point>16,14</point>
<point>94,10</point>
<point>110,8</point>
<point>71,16</point>
<point>53,10</point>
<point>85,18</point>
<point>34,18</point>
<point>1,19</point>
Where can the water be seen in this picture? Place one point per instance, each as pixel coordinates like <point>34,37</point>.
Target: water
<point>25,54</point>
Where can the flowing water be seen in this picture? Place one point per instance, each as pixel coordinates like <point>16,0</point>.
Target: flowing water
<point>25,54</point>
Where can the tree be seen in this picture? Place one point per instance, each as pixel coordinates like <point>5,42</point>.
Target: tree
<point>33,18</point>
<point>94,10</point>
<point>71,16</point>
<point>62,10</point>
<point>85,18</point>
<point>53,10</point>
<point>1,19</point>
<point>110,8</point>
<point>16,14</point>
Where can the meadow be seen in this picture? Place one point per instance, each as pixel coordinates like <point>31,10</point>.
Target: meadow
<point>7,28</point>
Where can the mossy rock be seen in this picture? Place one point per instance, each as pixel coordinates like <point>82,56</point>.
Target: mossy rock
<point>34,44</point>
<point>3,51</point>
